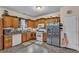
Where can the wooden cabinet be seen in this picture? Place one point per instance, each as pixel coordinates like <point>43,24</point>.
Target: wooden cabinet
<point>7,21</point>
<point>28,36</point>
<point>44,37</point>
<point>54,19</point>
<point>41,21</point>
<point>24,37</point>
<point>31,23</point>
<point>11,21</point>
<point>1,35</point>
<point>1,43</point>
<point>33,36</point>
<point>7,41</point>
<point>15,22</point>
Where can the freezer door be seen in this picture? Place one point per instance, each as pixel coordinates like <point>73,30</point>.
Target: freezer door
<point>55,41</point>
<point>49,40</point>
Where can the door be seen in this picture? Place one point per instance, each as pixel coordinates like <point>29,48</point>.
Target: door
<point>55,34</point>
<point>24,37</point>
<point>49,33</point>
<point>70,27</point>
<point>1,43</point>
<point>15,22</point>
<point>7,21</point>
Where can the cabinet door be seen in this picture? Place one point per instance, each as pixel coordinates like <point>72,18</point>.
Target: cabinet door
<point>24,37</point>
<point>44,37</point>
<point>7,42</point>
<point>1,43</point>
<point>28,36</point>
<point>7,21</point>
<point>1,35</point>
<point>33,35</point>
<point>15,22</point>
<point>10,42</point>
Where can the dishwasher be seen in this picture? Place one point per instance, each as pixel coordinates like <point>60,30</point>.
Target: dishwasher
<point>16,39</point>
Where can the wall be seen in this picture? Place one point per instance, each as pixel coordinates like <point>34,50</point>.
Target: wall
<point>75,10</point>
<point>63,14</point>
<point>13,13</point>
<point>48,15</point>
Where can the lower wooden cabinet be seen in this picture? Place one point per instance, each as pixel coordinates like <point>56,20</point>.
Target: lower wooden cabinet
<point>28,36</point>
<point>44,37</point>
<point>1,43</point>
<point>1,34</point>
<point>24,37</point>
<point>7,41</point>
<point>33,36</point>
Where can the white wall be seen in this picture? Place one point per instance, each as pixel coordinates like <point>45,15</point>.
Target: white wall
<point>48,15</point>
<point>75,10</point>
<point>63,14</point>
<point>13,13</point>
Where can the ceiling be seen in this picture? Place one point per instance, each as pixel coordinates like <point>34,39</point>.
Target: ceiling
<point>32,11</point>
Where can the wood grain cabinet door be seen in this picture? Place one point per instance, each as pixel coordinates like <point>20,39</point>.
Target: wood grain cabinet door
<point>44,37</point>
<point>10,42</point>
<point>24,37</point>
<point>1,43</point>
<point>6,45</point>
<point>7,21</point>
<point>1,35</point>
<point>29,36</point>
<point>15,22</point>
<point>33,36</point>
<point>7,42</point>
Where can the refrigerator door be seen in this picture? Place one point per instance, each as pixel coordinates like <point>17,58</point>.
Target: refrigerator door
<point>49,33</point>
<point>49,40</point>
<point>55,35</point>
<point>55,41</point>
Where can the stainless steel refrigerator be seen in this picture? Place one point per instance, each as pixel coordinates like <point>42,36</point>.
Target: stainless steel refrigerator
<point>53,34</point>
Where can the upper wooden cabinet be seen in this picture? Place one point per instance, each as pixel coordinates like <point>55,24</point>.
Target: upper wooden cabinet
<point>11,21</point>
<point>54,19</point>
<point>7,21</point>
<point>31,23</point>
<point>41,20</point>
<point>15,22</point>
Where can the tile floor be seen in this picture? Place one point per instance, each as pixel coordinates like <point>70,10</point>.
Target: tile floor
<point>33,47</point>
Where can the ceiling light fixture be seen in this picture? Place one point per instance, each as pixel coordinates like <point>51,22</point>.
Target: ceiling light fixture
<point>38,7</point>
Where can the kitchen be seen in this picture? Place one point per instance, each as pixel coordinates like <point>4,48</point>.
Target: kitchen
<point>39,32</point>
